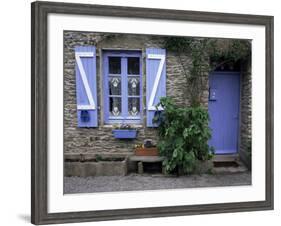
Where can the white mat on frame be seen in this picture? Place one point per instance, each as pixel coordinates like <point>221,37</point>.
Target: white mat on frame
<point>57,202</point>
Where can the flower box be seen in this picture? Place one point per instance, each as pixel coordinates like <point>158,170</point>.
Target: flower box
<point>124,133</point>
<point>146,151</point>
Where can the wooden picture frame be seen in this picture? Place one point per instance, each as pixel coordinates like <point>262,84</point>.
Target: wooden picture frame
<point>39,109</point>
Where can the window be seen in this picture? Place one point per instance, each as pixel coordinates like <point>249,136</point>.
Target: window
<point>122,87</point>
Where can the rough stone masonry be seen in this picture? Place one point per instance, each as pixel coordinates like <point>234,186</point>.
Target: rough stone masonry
<point>92,141</point>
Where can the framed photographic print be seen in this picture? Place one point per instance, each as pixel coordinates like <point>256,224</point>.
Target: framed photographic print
<point>140,112</point>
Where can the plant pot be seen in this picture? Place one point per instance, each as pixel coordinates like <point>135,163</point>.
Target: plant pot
<point>146,151</point>
<point>124,133</point>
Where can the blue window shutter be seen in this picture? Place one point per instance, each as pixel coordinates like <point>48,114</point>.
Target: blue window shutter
<point>155,81</point>
<point>86,86</point>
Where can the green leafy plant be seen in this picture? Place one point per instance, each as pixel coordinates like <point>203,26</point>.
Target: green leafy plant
<point>183,135</point>
<point>184,131</point>
<point>206,55</point>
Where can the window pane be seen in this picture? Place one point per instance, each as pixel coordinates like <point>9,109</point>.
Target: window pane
<point>133,86</point>
<point>114,65</point>
<point>133,65</point>
<point>134,106</point>
<point>114,86</point>
<point>115,106</point>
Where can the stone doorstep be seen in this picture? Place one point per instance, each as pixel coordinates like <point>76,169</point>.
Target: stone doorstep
<point>241,168</point>
<point>230,169</point>
<point>226,170</point>
<point>226,158</point>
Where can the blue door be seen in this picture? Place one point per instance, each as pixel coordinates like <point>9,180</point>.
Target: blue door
<point>224,100</point>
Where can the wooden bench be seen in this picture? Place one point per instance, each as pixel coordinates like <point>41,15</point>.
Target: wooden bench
<point>149,159</point>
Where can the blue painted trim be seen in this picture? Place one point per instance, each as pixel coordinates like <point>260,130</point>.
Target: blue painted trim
<point>89,66</point>
<point>152,66</point>
<point>122,53</point>
<point>124,87</point>
<point>124,134</point>
<point>124,118</point>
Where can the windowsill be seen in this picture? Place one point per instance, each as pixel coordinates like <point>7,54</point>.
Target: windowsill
<point>114,126</point>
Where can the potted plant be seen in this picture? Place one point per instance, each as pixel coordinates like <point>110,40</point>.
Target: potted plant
<point>124,131</point>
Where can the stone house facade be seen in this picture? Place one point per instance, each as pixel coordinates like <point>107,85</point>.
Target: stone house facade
<point>98,140</point>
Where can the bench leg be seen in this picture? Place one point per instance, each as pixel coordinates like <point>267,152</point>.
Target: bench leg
<point>140,168</point>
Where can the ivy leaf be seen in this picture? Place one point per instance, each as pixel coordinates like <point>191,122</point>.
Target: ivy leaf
<point>175,153</point>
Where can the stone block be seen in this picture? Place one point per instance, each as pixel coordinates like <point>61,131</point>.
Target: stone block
<point>100,168</point>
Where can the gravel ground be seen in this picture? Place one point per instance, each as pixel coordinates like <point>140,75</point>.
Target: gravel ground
<point>151,182</point>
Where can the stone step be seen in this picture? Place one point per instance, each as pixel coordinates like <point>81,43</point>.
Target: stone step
<point>240,168</point>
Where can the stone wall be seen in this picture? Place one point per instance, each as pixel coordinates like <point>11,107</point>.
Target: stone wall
<point>246,114</point>
<point>92,141</point>
<point>100,140</point>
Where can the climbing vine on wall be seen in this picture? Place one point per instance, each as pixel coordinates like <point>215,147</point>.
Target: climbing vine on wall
<point>206,55</point>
